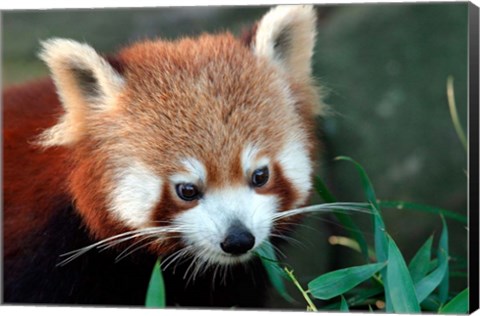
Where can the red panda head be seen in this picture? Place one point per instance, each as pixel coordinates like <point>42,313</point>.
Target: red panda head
<point>208,137</point>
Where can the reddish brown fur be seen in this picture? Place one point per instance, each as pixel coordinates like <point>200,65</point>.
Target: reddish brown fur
<point>33,179</point>
<point>195,70</point>
<point>104,163</point>
<point>189,98</point>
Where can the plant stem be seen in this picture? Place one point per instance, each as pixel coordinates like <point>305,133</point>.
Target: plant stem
<point>304,293</point>
<point>453,112</point>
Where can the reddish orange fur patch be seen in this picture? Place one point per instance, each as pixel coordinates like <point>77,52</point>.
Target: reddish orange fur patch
<point>206,98</point>
<point>33,179</point>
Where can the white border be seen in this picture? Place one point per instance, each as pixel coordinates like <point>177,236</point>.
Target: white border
<point>85,4</point>
<point>72,4</point>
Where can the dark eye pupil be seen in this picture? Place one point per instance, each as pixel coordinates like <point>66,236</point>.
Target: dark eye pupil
<point>260,177</point>
<point>187,191</point>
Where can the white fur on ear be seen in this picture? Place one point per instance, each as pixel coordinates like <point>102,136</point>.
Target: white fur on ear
<point>286,36</point>
<point>85,82</point>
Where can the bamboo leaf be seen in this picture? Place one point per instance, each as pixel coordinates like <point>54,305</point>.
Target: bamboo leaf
<point>442,256</point>
<point>381,243</point>
<point>323,191</point>
<point>419,265</point>
<point>274,271</point>
<point>381,250</point>
<point>437,277</point>
<point>156,288</point>
<point>401,205</point>
<point>432,265</point>
<point>431,303</point>
<point>343,305</point>
<point>366,183</point>
<point>369,194</point>
<point>365,294</point>
<point>352,229</point>
<point>400,284</point>
<point>380,236</point>
<point>457,305</point>
<point>358,298</point>
<point>429,283</point>
<point>340,281</point>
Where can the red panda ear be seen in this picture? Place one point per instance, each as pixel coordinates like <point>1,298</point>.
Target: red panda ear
<point>286,36</point>
<point>86,84</point>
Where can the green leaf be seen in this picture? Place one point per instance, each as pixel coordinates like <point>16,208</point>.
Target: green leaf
<point>400,284</point>
<point>442,255</point>
<point>431,303</point>
<point>349,225</point>
<point>343,305</point>
<point>365,294</point>
<point>331,307</point>
<point>432,265</point>
<point>156,288</point>
<point>380,236</point>
<point>366,183</point>
<point>371,198</point>
<point>360,295</point>
<point>457,305</point>
<point>439,276</point>
<point>381,244</point>
<point>337,282</point>
<point>323,191</point>
<point>429,283</point>
<point>400,205</point>
<point>419,265</point>
<point>274,271</point>
<point>381,251</point>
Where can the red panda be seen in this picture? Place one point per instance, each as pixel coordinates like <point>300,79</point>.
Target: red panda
<point>183,150</point>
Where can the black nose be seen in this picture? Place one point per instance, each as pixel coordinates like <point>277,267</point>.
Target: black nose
<point>238,241</point>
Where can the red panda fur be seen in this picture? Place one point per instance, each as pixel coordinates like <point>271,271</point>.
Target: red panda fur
<point>42,182</point>
<point>33,179</point>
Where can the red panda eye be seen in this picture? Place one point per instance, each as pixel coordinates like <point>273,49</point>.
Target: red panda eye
<point>260,177</point>
<point>187,191</point>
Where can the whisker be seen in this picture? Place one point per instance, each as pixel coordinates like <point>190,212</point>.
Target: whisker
<point>327,207</point>
<point>217,267</point>
<point>116,239</point>
<point>188,255</point>
<point>173,257</point>
<point>128,251</point>
<point>197,269</point>
<point>290,239</point>
<point>192,264</point>
<point>113,243</point>
<point>276,249</point>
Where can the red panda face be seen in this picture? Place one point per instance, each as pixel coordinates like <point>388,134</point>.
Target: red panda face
<point>207,138</point>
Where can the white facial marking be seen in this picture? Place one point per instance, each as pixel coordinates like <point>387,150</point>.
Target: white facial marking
<point>248,155</point>
<point>296,166</point>
<point>195,172</point>
<point>250,161</point>
<point>206,224</point>
<point>137,191</point>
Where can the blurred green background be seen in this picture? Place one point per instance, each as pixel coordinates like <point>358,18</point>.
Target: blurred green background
<point>384,68</point>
